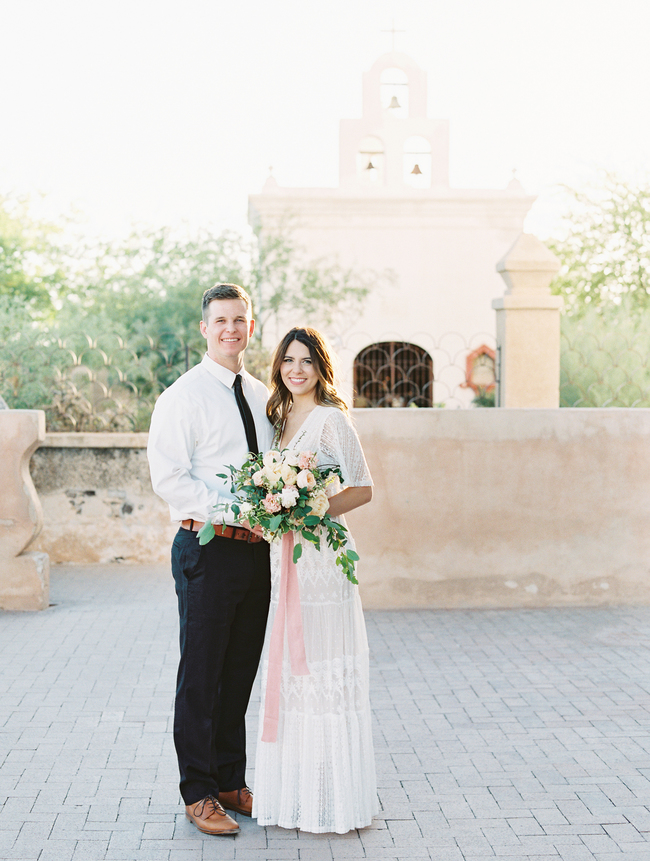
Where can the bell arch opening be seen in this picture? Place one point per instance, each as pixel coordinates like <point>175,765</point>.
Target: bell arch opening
<point>370,160</point>
<point>394,92</point>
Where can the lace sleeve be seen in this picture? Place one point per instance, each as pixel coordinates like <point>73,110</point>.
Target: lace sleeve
<point>340,444</point>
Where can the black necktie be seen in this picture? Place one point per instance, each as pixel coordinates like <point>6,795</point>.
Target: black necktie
<point>246,416</point>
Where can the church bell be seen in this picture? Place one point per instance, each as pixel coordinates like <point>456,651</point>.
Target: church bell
<point>416,170</point>
<point>394,103</point>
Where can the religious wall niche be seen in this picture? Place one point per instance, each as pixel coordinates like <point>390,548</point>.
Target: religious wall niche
<point>393,374</point>
<point>480,370</point>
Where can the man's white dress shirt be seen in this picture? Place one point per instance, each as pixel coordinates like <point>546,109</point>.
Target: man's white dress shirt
<point>196,432</point>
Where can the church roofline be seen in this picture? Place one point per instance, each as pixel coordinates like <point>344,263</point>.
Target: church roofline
<point>395,58</point>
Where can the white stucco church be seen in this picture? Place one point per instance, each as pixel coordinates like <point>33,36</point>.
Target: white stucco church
<point>425,336</point>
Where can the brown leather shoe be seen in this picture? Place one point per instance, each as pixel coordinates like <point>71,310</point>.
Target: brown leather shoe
<point>210,817</point>
<point>239,800</point>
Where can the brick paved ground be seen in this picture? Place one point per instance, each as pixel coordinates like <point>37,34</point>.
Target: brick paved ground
<point>508,735</point>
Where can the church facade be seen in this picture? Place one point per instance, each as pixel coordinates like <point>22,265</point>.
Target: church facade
<point>425,334</point>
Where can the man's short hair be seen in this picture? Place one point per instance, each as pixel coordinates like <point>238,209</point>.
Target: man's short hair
<point>224,291</point>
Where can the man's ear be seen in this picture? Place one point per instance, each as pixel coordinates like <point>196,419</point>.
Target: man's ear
<point>251,329</point>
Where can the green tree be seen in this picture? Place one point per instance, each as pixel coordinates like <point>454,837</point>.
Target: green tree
<point>605,249</point>
<point>151,283</point>
<point>32,261</point>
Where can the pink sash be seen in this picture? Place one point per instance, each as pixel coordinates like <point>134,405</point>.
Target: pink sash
<point>288,615</point>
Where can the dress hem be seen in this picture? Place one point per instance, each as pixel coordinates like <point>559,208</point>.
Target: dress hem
<point>265,822</point>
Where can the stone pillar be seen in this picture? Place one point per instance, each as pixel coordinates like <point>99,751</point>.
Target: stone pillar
<point>528,327</point>
<point>24,577</point>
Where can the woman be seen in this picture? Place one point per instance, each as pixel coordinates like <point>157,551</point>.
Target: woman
<point>319,775</point>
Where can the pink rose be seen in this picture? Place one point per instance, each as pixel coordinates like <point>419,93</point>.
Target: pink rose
<point>306,460</point>
<point>271,503</point>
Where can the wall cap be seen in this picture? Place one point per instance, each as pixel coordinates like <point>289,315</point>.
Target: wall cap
<point>72,439</point>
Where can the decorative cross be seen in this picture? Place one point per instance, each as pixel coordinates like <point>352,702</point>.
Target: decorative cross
<point>393,31</point>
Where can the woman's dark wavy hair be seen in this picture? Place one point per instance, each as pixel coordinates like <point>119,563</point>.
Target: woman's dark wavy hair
<point>325,393</point>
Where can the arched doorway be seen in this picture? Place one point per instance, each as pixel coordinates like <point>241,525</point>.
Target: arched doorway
<point>393,374</point>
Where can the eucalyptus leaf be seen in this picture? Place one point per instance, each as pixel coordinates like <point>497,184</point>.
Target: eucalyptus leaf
<point>205,533</point>
<point>297,553</point>
<point>275,522</point>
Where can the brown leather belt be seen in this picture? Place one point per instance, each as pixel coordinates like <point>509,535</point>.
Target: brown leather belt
<point>239,533</point>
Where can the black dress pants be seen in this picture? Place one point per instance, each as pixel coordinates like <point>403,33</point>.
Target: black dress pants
<point>223,591</point>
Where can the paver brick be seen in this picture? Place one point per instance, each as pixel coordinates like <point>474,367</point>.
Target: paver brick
<point>499,734</point>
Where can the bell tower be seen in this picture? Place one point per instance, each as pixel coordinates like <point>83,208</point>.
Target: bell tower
<point>394,148</point>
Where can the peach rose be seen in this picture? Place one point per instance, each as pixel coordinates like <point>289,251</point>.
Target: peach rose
<point>288,474</point>
<point>319,503</point>
<point>271,458</point>
<point>305,478</point>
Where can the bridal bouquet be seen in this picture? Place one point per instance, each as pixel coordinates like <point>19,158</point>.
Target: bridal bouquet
<point>284,491</point>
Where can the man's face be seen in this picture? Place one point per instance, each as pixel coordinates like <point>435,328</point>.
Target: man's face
<point>227,331</point>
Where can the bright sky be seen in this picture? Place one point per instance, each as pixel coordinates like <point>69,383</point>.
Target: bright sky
<point>165,111</point>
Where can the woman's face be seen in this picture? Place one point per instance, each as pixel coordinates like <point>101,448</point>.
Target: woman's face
<point>298,372</point>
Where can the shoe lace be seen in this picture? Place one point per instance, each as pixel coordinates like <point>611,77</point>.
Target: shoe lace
<point>213,803</point>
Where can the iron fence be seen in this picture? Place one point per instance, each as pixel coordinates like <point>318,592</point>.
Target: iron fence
<point>108,382</point>
<point>605,370</point>
<point>92,383</point>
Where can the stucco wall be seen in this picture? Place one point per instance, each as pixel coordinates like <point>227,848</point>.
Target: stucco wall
<point>472,508</point>
<point>500,508</point>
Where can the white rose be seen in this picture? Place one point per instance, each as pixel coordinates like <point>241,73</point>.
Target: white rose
<point>291,458</point>
<point>289,496</point>
<point>319,503</point>
<point>258,478</point>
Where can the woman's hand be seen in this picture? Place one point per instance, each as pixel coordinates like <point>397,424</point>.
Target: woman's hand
<point>256,530</point>
<point>349,499</point>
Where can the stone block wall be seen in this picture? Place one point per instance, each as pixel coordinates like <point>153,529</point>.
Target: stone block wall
<point>98,504</point>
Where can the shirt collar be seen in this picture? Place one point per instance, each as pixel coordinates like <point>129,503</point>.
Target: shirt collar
<point>224,375</point>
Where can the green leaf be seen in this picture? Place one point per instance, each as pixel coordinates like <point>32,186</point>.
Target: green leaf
<point>311,520</point>
<point>205,533</point>
<point>353,555</point>
<point>297,553</point>
<point>310,536</point>
<point>275,522</point>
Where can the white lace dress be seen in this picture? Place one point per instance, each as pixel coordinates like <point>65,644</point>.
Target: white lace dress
<point>319,775</point>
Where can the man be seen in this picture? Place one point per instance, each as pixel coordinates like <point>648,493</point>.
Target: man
<point>209,418</point>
